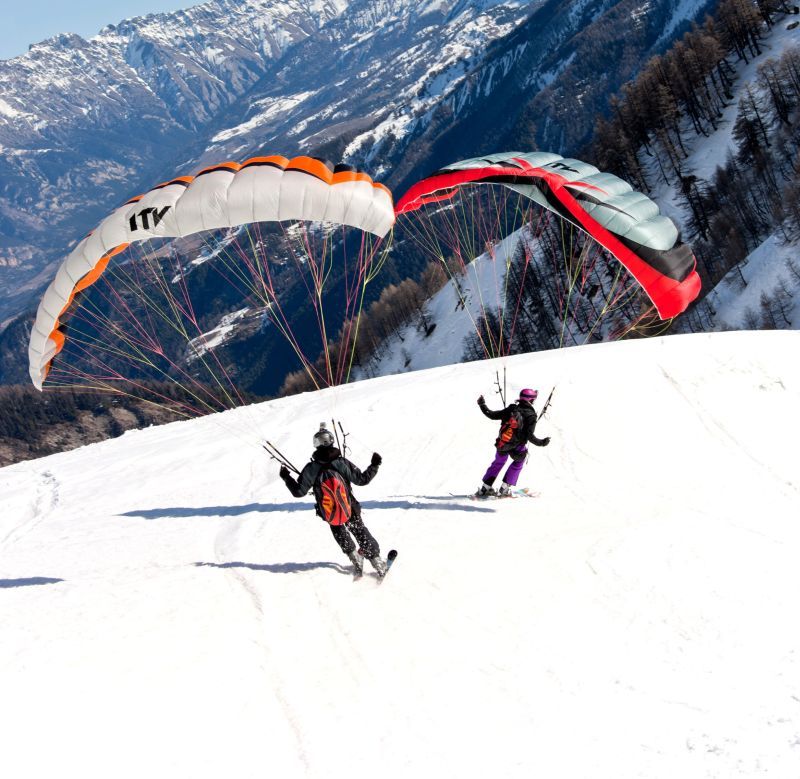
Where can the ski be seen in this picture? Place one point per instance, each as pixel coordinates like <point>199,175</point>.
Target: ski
<point>523,492</point>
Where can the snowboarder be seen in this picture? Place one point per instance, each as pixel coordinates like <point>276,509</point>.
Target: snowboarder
<point>518,423</point>
<point>331,477</point>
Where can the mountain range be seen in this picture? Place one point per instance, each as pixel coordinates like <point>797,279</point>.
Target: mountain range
<point>399,87</point>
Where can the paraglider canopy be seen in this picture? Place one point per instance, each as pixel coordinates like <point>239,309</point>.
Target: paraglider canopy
<point>226,195</point>
<point>625,222</point>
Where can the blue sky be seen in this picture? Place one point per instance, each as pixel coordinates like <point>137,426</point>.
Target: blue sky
<point>29,21</point>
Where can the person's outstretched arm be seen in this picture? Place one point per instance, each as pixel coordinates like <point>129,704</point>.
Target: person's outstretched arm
<point>360,478</point>
<point>487,412</point>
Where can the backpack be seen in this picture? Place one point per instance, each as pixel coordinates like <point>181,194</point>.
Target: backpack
<point>512,431</point>
<point>334,497</point>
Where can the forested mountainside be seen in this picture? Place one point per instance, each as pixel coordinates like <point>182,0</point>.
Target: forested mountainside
<point>710,129</point>
<point>32,426</point>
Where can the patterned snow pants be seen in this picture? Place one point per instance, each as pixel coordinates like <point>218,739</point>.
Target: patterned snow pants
<point>359,530</point>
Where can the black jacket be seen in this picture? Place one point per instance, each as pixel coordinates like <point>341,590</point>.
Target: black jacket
<point>526,433</point>
<point>330,457</point>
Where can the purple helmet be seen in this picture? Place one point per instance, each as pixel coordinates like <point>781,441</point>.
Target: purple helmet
<point>529,395</point>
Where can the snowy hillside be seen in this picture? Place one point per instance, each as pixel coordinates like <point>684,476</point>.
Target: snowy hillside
<point>454,309</point>
<point>169,610</point>
<point>739,296</point>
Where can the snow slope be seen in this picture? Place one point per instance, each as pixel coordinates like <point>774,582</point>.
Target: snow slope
<point>168,609</point>
<point>762,272</point>
<point>455,309</point>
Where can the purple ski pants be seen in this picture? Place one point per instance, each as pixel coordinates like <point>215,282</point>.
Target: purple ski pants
<point>500,459</point>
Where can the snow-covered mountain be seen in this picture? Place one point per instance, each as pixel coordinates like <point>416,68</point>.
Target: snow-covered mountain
<point>83,124</point>
<point>86,124</point>
<point>399,86</point>
<point>169,609</point>
<point>544,84</point>
<point>415,85</point>
<point>374,78</point>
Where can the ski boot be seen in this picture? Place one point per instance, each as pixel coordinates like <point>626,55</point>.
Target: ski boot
<point>504,491</point>
<point>358,564</point>
<point>379,566</point>
<point>486,491</point>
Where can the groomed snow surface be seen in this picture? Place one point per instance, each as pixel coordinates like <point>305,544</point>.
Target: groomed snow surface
<point>169,610</point>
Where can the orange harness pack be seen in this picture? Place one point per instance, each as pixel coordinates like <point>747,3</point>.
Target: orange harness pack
<point>334,502</point>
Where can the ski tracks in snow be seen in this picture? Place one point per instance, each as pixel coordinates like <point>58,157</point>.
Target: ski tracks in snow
<point>230,539</point>
<point>43,501</point>
<point>226,541</point>
<point>718,427</point>
<point>239,540</point>
<point>231,542</point>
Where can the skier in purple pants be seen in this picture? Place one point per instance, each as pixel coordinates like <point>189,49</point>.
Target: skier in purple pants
<point>518,422</point>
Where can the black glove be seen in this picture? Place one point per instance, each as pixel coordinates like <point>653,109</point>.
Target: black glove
<point>284,472</point>
<point>481,400</point>
<point>546,441</point>
<point>376,459</point>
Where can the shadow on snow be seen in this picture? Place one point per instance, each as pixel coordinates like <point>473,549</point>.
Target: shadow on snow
<point>29,582</point>
<point>178,512</point>
<point>280,567</point>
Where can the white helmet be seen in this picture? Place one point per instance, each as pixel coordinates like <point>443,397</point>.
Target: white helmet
<point>323,437</point>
